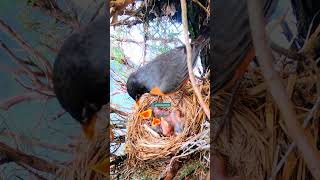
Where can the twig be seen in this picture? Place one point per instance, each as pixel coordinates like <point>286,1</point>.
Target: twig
<point>114,110</point>
<point>24,159</point>
<point>46,63</point>
<point>34,142</point>
<point>8,103</point>
<point>18,61</point>
<point>33,172</point>
<point>58,115</point>
<point>97,11</point>
<point>286,52</point>
<point>189,55</point>
<point>51,8</point>
<point>308,150</point>
<point>204,8</point>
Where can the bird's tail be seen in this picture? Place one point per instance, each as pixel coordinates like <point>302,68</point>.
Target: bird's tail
<point>200,42</point>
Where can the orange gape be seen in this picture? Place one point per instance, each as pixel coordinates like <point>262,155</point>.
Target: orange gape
<point>146,114</point>
<point>156,121</point>
<point>250,54</point>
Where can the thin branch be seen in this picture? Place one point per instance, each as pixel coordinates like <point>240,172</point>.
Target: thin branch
<point>8,69</point>
<point>8,103</point>
<point>97,11</point>
<point>189,55</point>
<point>24,159</point>
<point>117,111</point>
<point>18,61</point>
<point>41,90</point>
<point>33,172</point>
<point>295,131</point>
<point>34,142</point>
<point>52,9</point>
<point>46,63</point>
<point>128,23</point>
<point>286,52</point>
<point>204,8</point>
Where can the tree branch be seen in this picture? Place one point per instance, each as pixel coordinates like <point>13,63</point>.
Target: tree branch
<point>35,142</point>
<point>46,63</point>
<point>189,55</point>
<point>52,9</point>
<point>114,110</point>
<point>8,103</point>
<point>24,159</point>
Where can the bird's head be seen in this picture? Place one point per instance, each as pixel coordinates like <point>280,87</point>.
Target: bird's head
<point>135,87</point>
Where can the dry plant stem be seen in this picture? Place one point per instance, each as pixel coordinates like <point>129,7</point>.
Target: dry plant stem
<point>189,55</point>
<point>313,111</point>
<point>309,152</point>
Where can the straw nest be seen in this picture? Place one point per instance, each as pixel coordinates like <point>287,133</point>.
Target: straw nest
<point>146,149</point>
<point>259,140</point>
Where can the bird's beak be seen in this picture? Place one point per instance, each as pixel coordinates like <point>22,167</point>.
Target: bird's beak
<point>137,102</point>
<point>88,127</point>
<point>156,91</point>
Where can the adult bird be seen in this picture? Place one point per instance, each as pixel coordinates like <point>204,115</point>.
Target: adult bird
<point>233,47</point>
<point>80,74</point>
<point>167,72</point>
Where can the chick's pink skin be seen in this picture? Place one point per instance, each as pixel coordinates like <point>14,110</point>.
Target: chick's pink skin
<point>167,128</point>
<point>171,122</point>
<point>177,121</point>
<point>160,112</point>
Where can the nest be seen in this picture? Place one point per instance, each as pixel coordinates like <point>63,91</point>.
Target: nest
<point>259,139</point>
<point>147,149</point>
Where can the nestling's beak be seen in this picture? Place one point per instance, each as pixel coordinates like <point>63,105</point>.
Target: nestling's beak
<point>146,114</point>
<point>156,121</point>
<point>88,127</point>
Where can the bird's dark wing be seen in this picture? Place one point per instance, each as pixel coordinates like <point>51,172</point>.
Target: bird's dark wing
<point>166,71</point>
<point>80,71</point>
<point>232,37</point>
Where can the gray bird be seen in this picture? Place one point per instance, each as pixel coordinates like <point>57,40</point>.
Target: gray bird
<point>166,73</point>
<point>80,74</point>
